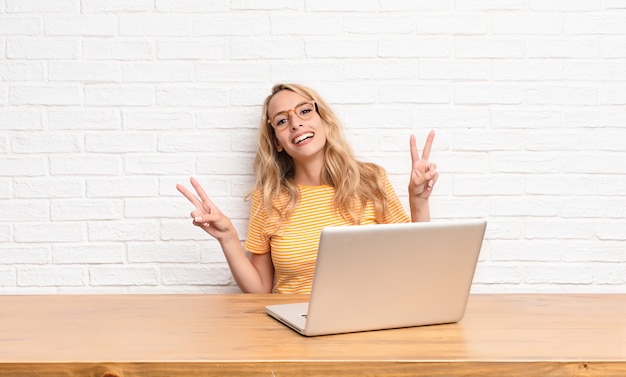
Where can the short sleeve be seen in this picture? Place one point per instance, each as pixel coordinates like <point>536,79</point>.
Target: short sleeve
<point>257,240</point>
<point>396,212</point>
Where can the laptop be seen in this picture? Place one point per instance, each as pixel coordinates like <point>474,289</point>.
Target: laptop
<point>384,276</point>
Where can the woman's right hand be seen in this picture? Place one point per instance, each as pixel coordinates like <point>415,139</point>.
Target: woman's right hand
<point>206,215</point>
<point>254,275</point>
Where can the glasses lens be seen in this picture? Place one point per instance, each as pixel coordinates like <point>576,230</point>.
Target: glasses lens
<point>280,120</point>
<point>305,110</point>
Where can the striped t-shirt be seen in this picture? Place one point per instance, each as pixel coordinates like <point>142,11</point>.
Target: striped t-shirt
<point>294,245</point>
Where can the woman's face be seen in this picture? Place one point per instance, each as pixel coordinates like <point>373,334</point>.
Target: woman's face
<point>303,140</point>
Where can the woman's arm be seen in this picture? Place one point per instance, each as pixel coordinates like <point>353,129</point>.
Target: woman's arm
<point>254,275</point>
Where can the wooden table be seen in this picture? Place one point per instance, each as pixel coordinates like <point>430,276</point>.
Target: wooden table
<point>230,335</point>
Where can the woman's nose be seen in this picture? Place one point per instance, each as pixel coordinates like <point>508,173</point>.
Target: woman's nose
<point>294,120</point>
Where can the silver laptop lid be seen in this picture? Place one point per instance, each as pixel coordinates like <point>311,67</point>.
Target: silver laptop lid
<point>371,277</point>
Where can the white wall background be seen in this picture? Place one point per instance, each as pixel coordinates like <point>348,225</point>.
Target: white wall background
<point>106,105</point>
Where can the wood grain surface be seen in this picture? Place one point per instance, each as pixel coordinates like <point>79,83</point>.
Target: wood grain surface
<point>230,335</point>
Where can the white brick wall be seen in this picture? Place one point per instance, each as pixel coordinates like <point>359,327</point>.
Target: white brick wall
<point>106,105</point>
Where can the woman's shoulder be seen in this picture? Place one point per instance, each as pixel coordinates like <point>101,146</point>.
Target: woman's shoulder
<point>254,196</point>
<point>374,169</point>
<point>259,198</point>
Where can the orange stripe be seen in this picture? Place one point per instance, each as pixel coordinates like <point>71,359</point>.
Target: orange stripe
<point>294,245</point>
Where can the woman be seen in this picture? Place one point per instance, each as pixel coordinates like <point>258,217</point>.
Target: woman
<point>307,178</point>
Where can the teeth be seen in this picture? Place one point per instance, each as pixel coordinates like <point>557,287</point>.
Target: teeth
<point>302,138</point>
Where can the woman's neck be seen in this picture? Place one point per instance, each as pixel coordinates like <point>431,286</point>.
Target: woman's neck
<point>309,174</point>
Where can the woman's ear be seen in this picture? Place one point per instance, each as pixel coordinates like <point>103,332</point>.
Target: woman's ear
<point>279,147</point>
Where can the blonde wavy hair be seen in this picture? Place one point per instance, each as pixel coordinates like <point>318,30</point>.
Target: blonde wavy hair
<point>355,182</point>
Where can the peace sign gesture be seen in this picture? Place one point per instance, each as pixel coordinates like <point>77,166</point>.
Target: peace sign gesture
<point>206,215</point>
<point>423,173</point>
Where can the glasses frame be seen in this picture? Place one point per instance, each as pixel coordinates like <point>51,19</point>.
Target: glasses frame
<point>286,112</point>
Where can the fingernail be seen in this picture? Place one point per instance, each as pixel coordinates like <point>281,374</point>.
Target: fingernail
<point>198,219</point>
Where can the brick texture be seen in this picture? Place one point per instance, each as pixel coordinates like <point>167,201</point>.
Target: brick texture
<point>106,105</point>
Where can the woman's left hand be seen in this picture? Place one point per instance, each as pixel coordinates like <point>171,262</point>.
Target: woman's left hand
<point>423,172</point>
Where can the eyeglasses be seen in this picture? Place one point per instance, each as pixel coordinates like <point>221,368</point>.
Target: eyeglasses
<point>304,110</point>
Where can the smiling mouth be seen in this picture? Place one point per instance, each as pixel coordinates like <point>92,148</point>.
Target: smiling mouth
<point>302,138</point>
